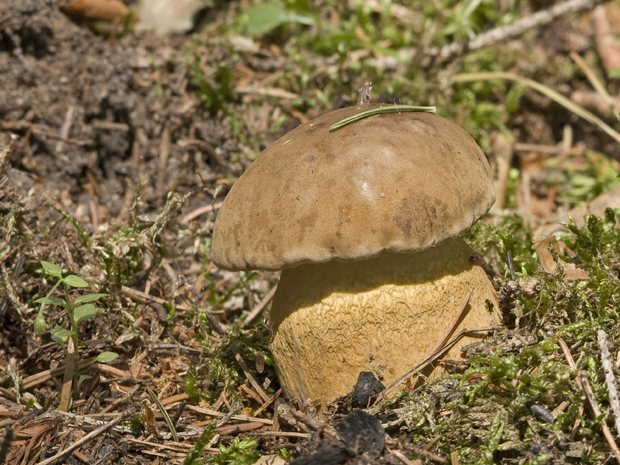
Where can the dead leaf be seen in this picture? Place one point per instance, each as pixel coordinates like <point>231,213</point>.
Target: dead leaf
<point>605,38</point>
<point>545,256</point>
<point>148,418</point>
<point>548,261</point>
<point>572,272</point>
<point>270,460</point>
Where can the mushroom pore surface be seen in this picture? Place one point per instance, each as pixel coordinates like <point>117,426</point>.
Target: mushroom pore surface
<point>333,320</point>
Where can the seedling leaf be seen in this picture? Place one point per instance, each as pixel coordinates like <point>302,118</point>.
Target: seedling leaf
<point>75,281</point>
<point>83,313</point>
<point>62,332</point>
<point>163,411</point>
<point>106,357</point>
<point>189,386</point>
<point>82,379</point>
<point>51,269</point>
<point>387,109</point>
<point>60,335</point>
<point>193,457</point>
<point>265,18</point>
<point>89,298</point>
<point>50,301</point>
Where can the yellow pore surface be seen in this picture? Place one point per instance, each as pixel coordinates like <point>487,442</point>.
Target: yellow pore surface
<point>333,320</point>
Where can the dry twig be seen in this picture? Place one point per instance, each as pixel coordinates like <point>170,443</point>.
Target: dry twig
<point>425,452</point>
<point>248,375</point>
<point>452,326</point>
<point>596,83</point>
<point>67,382</point>
<point>200,211</point>
<point>503,33</point>
<point>42,130</point>
<point>213,413</point>
<point>610,379</point>
<point>143,297</point>
<point>312,423</point>
<point>260,307</point>
<point>584,383</point>
<point>86,438</point>
<point>403,458</point>
<point>271,400</point>
<point>605,39</point>
<point>65,128</point>
<point>267,92</point>
<point>164,153</point>
<point>432,357</point>
<point>47,375</point>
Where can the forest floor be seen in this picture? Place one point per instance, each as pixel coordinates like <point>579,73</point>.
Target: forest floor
<point>117,149</point>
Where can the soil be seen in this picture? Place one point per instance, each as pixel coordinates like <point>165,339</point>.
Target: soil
<point>97,121</point>
<point>91,120</point>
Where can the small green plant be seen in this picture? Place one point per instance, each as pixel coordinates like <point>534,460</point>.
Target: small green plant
<point>215,90</point>
<point>266,17</point>
<point>79,309</point>
<point>193,456</point>
<point>240,452</point>
<point>189,386</point>
<point>30,403</point>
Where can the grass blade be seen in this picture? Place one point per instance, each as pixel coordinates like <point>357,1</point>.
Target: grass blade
<point>547,91</point>
<point>164,413</point>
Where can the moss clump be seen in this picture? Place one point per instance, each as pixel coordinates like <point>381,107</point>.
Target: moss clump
<point>519,398</point>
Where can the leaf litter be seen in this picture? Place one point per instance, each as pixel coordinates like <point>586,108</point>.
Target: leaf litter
<point>85,186</point>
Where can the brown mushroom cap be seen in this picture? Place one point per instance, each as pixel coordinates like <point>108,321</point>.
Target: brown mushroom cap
<point>394,182</point>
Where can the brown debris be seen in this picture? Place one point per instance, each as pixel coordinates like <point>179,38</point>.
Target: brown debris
<point>605,36</point>
<point>547,250</point>
<point>113,11</point>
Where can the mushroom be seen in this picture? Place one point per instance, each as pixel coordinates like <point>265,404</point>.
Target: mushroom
<point>364,223</point>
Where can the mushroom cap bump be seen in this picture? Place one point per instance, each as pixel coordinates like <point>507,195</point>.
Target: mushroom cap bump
<point>396,182</point>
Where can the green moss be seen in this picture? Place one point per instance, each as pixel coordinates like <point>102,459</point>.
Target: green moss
<point>519,395</point>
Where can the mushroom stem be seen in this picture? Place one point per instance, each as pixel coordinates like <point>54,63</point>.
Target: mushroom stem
<point>333,320</point>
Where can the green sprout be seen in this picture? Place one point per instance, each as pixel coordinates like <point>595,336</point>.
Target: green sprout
<point>30,403</point>
<point>193,456</point>
<point>189,386</point>
<point>240,452</point>
<point>79,309</point>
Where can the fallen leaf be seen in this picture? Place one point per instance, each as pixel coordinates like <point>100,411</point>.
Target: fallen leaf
<point>548,261</point>
<point>148,418</point>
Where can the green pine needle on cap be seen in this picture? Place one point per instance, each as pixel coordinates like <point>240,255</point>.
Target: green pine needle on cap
<point>374,111</point>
